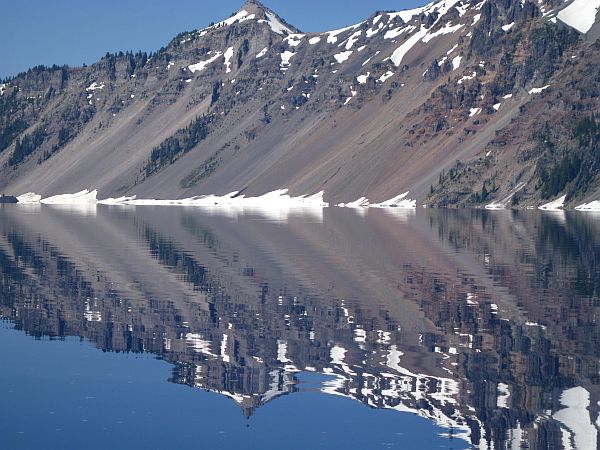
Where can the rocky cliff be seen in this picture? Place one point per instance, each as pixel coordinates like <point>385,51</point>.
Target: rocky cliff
<point>458,102</point>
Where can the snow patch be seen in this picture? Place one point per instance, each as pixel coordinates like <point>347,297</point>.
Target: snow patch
<point>580,14</point>
<point>385,76</point>
<point>467,77</point>
<point>343,56</point>
<point>474,111</point>
<point>538,90</point>
<point>555,205</point>
<point>507,27</point>
<point>352,39</point>
<point>276,24</point>
<point>393,34</point>
<point>591,206</point>
<point>277,198</point>
<point>294,40</point>
<point>456,62</point>
<point>199,67</point>
<point>332,35</point>
<point>362,79</point>
<point>84,197</point>
<point>401,51</point>
<point>445,30</point>
<point>314,40</point>
<point>400,201</point>
<point>576,418</point>
<point>285,59</point>
<point>373,31</point>
<point>262,53</point>
<point>228,54</point>
<point>29,197</point>
<point>94,86</point>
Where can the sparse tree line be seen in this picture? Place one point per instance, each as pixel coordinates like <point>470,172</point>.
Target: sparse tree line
<point>184,140</point>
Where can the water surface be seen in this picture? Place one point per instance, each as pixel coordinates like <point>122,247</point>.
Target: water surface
<point>163,327</point>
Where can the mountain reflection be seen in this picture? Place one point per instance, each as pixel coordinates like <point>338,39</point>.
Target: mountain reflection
<point>484,322</point>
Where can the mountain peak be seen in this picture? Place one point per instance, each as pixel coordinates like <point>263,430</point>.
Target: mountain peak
<point>261,12</point>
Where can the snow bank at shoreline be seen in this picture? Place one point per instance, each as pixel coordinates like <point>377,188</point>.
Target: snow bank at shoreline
<point>275,199</point>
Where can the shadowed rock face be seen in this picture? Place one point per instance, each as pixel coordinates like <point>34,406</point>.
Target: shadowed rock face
<point>479,321</point>
<point>457,102</point>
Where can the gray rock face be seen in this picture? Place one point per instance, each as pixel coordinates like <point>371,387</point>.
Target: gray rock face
<point>375,109</point>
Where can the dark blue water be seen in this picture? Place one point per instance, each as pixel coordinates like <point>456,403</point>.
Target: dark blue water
<point>181,328</point>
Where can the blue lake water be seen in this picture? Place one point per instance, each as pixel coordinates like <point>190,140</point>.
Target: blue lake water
<point>159,328</point>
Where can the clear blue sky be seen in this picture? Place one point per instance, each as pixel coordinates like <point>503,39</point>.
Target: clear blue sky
<point>80,31</point>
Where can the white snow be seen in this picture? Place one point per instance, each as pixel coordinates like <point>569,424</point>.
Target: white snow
<point>343,56</point>
<point>393,34</point>
<point>29,197</point>
<point>444,30</point>
<point>591,206</point>
<point>294,40</point>
<point>228,54</point>
<point>282,352</point>
<point>362,79</point>
<point>385,76</point>
<point>285,59</point>
<point>249,17</point>
<point>198,343</point>
<point>95,85</point>
<point>576,418</point>
<point>496,106</point>
<point>358,203</point>
<point>555,205</point>
<point>314,40</point>
<point>452,49</point>
<point>507,27</point>
<point>580,14</point>
<point>367,61</point>
<point>503,394</point>
<point>238,17</point>
<point>474,111</point>
<point>538,90</point>
<point>476,18</point>
<point>171,64</point>
<point>407,14</point>
<point>467,77</point>
<point>277,198</point>
<point>352,39</point>
<point>337,354</point>
<point>332,35</point>
<point>456,62</point>
<point>276,24</point>
<point>224,355</point>
<point>262,53</point>
<point>373,31</point>
<point>79,198</point>
<point>401,51</point>
<point>118,201</point>
<point>199,67</point>
<point>2,88</point>
<point>400,201</point>
<point>507,96</point>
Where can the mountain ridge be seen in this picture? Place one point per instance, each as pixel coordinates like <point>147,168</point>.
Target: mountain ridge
<point>250,104</point>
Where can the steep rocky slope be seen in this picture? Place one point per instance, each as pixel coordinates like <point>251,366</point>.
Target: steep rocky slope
<point>458,102</point>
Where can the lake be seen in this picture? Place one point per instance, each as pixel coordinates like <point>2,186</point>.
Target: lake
<point>182,327</point>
